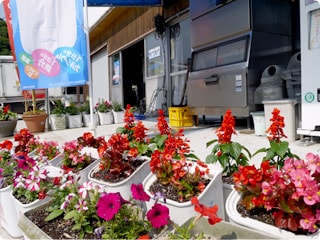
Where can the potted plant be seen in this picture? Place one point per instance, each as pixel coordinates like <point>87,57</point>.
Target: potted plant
<point>85,111</point>
<point>229,154</point>
<point>118,112</point>
<point>103,108</point>
<point>285,190</point>
<point>58,116</point>
<point>74,118</point>
<point>48,153</point>
<point>178,175</point>
<point>31,183</point>
<point>8,121</point>
<point>35,119</point>
<point>124,158</point>
<point>88,211</point>
<point>25,141</point>
<point>76,160</point>
<point>9,218</point>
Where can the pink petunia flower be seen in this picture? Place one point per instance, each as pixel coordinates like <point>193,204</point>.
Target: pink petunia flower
<point>109,205</point>
<point>158,215</point>
<point>138,193</point>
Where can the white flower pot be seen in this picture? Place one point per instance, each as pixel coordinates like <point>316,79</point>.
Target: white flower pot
<point>235,217</point>
<point>226,189</point>
<point>178,211</point>
<point>118,116</point>
<point>86,117</point>
<point>8,215</point>
<point>74,121</point>
<point>124,186</point>
<point>58,121</point>
<point>105,118</point>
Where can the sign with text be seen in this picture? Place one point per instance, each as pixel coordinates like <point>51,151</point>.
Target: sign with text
<point>50,43</point>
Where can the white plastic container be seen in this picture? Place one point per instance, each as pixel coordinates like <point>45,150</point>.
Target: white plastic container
<point>259,122</point>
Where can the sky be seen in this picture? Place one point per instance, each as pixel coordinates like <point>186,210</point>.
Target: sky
<point>94,13</point>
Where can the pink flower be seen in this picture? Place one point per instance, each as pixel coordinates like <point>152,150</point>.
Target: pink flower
<point>309,223</point>
<point>158,215</point>
<point>109,205</point>
<point>81,206</point>
<point>266,188</point>
<point>33,184</point>
<point>84,188</point>
<point>138,193</point>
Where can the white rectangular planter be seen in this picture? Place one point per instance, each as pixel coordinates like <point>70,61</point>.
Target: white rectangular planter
<point>118,116</point>
<point>235,217</point>
<point>87,119</point>
<point>124,186</point>
<point>74,121</point>
<point>179,211</point>
<point>8,215</point>
<point>105,118</point>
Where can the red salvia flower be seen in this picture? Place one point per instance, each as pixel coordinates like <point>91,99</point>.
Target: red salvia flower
<point>276,128</point>
<point>224,133</point>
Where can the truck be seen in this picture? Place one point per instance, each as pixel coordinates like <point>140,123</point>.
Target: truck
<point>11,93</point>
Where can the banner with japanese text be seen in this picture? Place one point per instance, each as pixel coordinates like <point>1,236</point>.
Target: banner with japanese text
<point>50,43</point>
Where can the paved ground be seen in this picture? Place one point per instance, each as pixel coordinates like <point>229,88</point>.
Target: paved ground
<point>198,136</point>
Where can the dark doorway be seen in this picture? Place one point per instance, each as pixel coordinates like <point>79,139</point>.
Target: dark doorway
<point>133,83</point>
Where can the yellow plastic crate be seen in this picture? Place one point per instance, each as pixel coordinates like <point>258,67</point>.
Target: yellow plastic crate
<point>180,117</point>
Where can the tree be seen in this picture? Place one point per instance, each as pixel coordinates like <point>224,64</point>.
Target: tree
<point>4,39</point>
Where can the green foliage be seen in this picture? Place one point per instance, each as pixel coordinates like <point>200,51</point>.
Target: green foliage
<point>277,153</point>
<point>85,107</point>
<point>229,155</point>
<point>117,107</point>
<point>72,109</point>
<point>59,108</point>
<point>4,39</point>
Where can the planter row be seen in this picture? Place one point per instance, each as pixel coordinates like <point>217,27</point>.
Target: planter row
<point>237,228</point>
<point>62,121</point>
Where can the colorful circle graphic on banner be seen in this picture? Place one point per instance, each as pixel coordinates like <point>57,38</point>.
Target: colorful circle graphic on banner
<point>70,59</point>
<point>46,62</point>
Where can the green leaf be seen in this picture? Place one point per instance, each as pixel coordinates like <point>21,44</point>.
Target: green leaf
<point>54,214</point>
<point>71,214</point>
<point>211,142</point>
<point>211,158</point>
<point>284,206</point>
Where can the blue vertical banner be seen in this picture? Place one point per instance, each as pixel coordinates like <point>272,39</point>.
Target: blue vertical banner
<point>50,43</point>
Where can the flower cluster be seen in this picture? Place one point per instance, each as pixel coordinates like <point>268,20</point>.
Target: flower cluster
<point>291,193</point>
<point>47,150</point>
<point>279,150</point>
<point>7,164</point>
<point>106,214</point>
<point>73,157</point>
<point>229,154</point>
<point>174,163</point>
<point>6,114</point>
<point>122,148</point>
<point>103,106</point>
<point>30,182</point>
<point>23,137</point>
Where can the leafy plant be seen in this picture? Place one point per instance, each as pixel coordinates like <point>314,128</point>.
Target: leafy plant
<point>290,194</point>
<point>47,150</point>
<point>174,163</point>
<point>85,107</point>
<point>278,150</point>
<point>72,109</point>
<point>30,182</point>
<point>117,106</point>
<point>73,157</point>
<point>7,163</point>
<point>103,106</point>
<point>6,114</point>
<point>58,108</point>
<point>107,215</point>
<point>229,154</point>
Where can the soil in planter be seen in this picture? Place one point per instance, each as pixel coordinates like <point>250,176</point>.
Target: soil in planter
<point>168,190</point>
<point>104,175</point>
<point>57,228</point>
<point>261,215</point>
